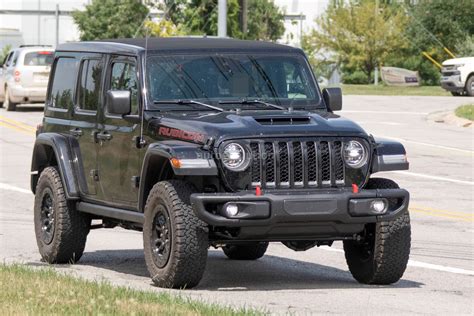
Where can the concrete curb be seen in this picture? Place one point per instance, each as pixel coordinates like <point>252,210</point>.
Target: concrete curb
<point>448,117</point>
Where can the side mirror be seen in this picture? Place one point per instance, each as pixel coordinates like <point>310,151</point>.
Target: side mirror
<point>118,102</point>
<point>333,98</point>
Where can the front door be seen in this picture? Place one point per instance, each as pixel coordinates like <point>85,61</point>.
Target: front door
<point>119,158</point>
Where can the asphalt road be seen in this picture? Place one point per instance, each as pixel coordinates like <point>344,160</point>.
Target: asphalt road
<point>439,279</point>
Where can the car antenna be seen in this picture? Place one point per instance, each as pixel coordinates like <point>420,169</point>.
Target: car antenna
<point>141,140</point>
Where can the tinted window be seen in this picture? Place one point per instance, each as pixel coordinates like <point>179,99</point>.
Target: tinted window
<point>38,58</point>
<point>64,80</point>
<point>8,59</point>
<point>124,77</point>
<point>89,88</point>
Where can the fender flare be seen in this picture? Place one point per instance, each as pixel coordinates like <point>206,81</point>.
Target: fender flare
<point>389,155</point>
<point>194,160</point>
<point>65,161</point>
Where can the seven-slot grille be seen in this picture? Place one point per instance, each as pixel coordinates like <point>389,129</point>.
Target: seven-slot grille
<point>297,164</point>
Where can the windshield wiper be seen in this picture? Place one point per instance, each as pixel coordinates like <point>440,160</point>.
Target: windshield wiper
<point>255,101</point>
<point>185,102</point>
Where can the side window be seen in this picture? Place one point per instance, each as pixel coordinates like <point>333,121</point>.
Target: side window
<point>7,60</point>
<point>15,59</point>
<point>89,85</point>
<point>64,81</point>
<point>124,77</point>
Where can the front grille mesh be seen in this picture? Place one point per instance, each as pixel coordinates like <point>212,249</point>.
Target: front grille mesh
<point>297,164</point>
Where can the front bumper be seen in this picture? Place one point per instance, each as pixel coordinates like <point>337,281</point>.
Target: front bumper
<point>298,215</point>
<point>452,83</point>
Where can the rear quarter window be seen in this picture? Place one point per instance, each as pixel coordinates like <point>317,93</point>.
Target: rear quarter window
<point>63,83</point>
<point>42,58</point>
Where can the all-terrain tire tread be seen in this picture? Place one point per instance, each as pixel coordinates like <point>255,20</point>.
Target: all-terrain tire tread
<point>71,226</point>
<point>189,232</point>
<point>392,246</point>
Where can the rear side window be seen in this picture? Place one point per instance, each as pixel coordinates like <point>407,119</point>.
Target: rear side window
<point>64,81</point>
<point>38,58</point>
<point>90,84</point>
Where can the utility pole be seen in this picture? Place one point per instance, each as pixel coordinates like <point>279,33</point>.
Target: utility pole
<point>57,24</point>
<point>39,23</point>
<point>244,16</point>
<point>222,19</point>
<point>376,70</point>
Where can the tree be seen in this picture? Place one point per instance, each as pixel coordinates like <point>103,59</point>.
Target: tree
<point>110,19</point>
<point>359,34</point>
<point>199,17</point>
<point>163,28</point>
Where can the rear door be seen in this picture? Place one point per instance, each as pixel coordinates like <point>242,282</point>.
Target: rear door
<point>84,124</point>
<point>119,157</point>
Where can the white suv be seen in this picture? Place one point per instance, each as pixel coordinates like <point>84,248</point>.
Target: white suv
<point>458,76</point>
<point>24,75</point>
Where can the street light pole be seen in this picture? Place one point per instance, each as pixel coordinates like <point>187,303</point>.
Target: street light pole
<point>222,19</point>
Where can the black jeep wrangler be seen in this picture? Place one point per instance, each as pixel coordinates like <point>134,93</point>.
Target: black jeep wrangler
<point>203,142</point>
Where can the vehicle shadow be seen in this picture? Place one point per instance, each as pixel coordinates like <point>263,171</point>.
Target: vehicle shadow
<point>30,108</point>
<point>268,273</point>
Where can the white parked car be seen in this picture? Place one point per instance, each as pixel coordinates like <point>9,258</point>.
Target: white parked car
<point>24,75</point>
<point>458,76</point>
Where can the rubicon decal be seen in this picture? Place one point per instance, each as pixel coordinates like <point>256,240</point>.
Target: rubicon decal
<point>180,134</point>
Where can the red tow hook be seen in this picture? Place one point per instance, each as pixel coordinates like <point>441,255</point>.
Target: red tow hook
<point>258,191</point>
<point>355,188</point>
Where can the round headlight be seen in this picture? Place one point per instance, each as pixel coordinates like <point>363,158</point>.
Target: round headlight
<point>355,154</point>
<point>234,157</point>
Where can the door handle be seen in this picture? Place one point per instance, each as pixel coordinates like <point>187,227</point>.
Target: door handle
<point>76,132</point>
<point>103,136</point>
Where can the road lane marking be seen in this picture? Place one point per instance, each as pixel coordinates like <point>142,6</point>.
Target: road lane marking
<point>17,123</point>
<point>426,176</point>
<point>418,264</point>
<point>428,144</point>
<point>467,217</point>
<point>9,187</point>
<point>387,112</point>
<point>15,128</point>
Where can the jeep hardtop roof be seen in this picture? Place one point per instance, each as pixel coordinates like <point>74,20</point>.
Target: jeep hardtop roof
<point>175,44</point>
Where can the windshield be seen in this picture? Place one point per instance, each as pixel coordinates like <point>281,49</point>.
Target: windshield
<point>285,80</point>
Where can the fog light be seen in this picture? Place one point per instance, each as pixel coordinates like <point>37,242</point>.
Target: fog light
<point>378,206</point>
<point>231,210</point>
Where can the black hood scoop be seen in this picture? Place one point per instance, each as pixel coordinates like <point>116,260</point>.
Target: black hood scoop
<point>284,120</point>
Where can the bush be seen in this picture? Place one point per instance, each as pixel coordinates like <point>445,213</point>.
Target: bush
<point>354,77</point>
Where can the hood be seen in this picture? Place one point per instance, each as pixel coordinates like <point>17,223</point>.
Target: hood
<point>200,127</point>
<point>459,61</point>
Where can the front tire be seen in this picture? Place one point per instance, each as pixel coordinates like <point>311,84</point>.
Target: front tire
<point>382,256</point>
<point>175,240</point>
<point>61,231</point>
<point>251,251</point>
<point>470,86</point>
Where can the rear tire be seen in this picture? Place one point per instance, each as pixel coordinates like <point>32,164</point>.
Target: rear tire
<point>61,231</point>
<point>382,257</point>
<point>470,86</point>
<point>175,240</point>
<point>9,105</point>
<point>251,251</point>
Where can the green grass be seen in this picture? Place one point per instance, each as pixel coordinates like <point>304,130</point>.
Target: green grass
<point>381,89</point>
<point>466,111</point>
<point>28,291</point>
